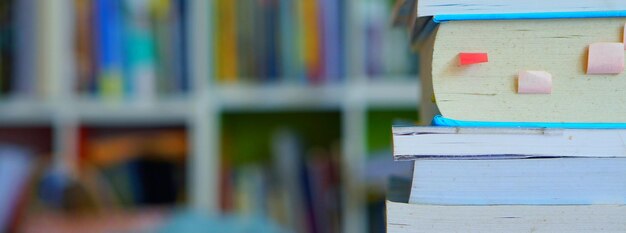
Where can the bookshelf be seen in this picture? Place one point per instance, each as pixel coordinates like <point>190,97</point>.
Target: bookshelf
<point>202,108</point>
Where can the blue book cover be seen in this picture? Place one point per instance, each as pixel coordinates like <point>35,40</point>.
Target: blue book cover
<point>530,15</point>
<point>447,122</point>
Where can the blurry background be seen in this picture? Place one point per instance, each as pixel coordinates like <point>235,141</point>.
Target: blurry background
<point>200,115</point>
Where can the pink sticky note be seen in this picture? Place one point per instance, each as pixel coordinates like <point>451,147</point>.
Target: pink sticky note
<point>624,36</point>
<point>534,82</point>
<point>605,58</point>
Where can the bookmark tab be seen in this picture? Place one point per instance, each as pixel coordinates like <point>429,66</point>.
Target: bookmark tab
<point>472,58</point>
<point>534,82</point>
<point>605,58</point>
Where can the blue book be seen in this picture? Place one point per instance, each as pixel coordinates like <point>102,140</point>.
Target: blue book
<point>179,45</point>
<point>447,122</point>
<point>109,48</point>
<point>332,40</point>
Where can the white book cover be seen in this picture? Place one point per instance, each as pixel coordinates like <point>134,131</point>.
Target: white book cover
<point>411,143</point>
<point>404,218</point>
<point>467,7</point>
<point>555,181</point>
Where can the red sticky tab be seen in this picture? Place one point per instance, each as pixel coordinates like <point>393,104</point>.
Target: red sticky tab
<point>472,58</point>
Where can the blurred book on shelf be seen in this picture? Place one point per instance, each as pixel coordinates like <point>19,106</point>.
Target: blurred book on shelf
<point>284,171</point>
<point>134,172</point>
<point>298,189</point>
<point>122,49</point>
<point>6,42</point>
<point>138,49</point>
<point>135,167</point>
<point>15,166</point>
<point>304,42</point>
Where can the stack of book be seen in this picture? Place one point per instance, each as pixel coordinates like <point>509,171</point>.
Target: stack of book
<point>528,121</point>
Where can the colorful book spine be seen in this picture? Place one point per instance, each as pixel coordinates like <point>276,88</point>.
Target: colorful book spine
<point>226,40</point>
<point>83,46</point>
<point>140,78</point>
<point>270,11</point>
<point>311,41</point>
<point>160,15</point>
<point>178,45</point>
<point>25,52</point>
<point>109,48</point>
<point>332,40</point>
<point>288,33</point>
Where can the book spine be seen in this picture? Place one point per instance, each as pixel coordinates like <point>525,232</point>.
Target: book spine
<point>287,40</point>
<point>25,65</point>
<point>259,26</point>
<point>109,46</point>
<point>332,40</point>
<point>179,45</point>
<point>161,19</point>
<point>271,44</point>
<point>55,44</point>
<point>140,81</point>
<point>83,48</point>
<point>226,40</point>
<point>6,37</point>
<point>311,41</point>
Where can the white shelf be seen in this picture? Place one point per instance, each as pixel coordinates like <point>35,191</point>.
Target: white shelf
<point>278,97</point>
<point>25,112</point>
<point>168,111</point>
<point>391,94</point>
<point>376,94</point>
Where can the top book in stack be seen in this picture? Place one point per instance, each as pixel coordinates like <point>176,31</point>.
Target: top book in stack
<point>532,63</point>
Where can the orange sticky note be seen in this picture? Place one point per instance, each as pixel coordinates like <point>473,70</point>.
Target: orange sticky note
<point>534,82</point>
<point>472,58</point>
<point>605,58</point>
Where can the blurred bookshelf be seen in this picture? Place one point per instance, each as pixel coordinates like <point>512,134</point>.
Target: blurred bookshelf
<point>198,92</point>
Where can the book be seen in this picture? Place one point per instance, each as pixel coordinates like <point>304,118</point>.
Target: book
<point>167,22</point>
<point>557,46</point>
<point>539,181</point>
<point>15,170</point>
<point>139,58</point>
<point>26,49</point>
<point>501,157</point>
<point>464,9</point>
<point>404,217</point>
<point>109,48</point>
<point>410,143</point>
<point>6,46</point>
<point>54,45</point>
<point>83,46</point>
